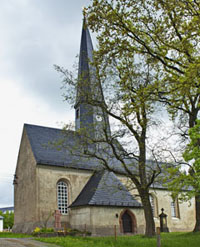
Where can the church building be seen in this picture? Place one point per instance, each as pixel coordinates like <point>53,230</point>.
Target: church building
<point>52,177</point>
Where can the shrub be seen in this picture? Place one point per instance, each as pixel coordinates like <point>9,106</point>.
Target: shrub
<point>8,219</point>
<point>38,230</point>
<point>47,230</point>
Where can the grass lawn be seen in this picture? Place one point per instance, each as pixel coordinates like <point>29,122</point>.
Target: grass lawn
<point>13,235</point>
<point>167,240</point>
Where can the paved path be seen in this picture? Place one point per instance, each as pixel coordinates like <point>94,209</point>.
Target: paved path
<point>23,242</point>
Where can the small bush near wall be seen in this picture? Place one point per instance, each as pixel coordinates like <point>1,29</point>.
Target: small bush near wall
<point>50,232</point>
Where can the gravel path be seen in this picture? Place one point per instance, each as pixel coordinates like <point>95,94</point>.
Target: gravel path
<point>23,242</point>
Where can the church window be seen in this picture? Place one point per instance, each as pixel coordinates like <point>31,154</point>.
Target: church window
<point>62,197</point>
<point>153,201</point>
<point>175,208</point>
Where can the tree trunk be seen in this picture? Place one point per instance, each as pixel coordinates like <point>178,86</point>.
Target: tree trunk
<point>197,209</point>
<point>150,224</point>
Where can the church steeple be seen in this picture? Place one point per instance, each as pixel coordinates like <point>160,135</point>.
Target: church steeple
<point>89,96</point>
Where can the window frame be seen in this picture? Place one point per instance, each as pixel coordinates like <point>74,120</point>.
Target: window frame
<point>62,189</point>
<point>154,204</point>
<point>174,206</point>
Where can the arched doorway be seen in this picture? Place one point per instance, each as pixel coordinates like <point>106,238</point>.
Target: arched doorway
<point>127,222</point>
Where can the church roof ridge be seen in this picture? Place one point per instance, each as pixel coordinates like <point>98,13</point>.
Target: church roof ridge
<point>46,127</point>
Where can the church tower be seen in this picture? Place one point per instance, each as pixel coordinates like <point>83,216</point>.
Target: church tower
<point>89,113</point>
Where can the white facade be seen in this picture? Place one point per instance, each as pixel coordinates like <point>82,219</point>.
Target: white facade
<point>1,223</point>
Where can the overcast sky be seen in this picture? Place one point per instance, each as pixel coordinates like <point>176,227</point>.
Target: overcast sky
<point>34,35</point>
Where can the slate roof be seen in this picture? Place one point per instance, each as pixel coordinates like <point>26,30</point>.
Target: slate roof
<point>46,153</point>
<point>41,139</point>
<point>105,189</point>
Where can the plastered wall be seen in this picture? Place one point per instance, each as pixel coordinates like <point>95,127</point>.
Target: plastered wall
<point>25,187</point>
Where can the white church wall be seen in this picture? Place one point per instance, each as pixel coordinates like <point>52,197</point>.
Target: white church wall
<point>186,218</point>
<point>81,218</point>
<point>47,179</point>
<point>25,187</point>
<point>1,224</point>
<point>104,219</point>
<point>100,220</point>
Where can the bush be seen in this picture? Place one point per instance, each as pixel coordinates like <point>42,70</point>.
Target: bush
<point>38,230</point>
<point>47,230</point>
<point>8,219</point>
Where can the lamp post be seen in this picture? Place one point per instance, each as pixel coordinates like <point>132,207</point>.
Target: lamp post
<point>163,221</point>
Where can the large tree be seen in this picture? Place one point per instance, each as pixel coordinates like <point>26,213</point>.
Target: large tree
<point>131,102</point>
<point>163,34</point>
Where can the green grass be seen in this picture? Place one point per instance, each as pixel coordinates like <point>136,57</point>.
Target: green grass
<point>13,235</point>
<point>167,240</point>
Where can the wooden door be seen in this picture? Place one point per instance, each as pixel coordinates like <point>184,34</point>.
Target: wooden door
<point>127,222</point>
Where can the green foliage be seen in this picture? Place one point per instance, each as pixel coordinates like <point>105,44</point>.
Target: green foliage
<point>47,230</point>
<point>188,180</point>
<point>192,152</point>
<point>167,240</point>
<point>8,219</point>
<point>38,230</point>
<point>162,34</point>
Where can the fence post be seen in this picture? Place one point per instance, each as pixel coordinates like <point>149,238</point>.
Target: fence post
<point>115,231</point>
<point>65,228</point>
<point>85,229</point>
<point>158,236</point>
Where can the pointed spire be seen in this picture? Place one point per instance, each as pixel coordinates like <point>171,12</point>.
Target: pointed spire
<point>89,88</point>
<point>88,85</point>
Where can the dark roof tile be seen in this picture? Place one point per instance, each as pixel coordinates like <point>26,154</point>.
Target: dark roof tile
<point>105,189</point>
<point>42,141</point>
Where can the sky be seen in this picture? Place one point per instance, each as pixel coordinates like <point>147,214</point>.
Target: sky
<point>35,35</point>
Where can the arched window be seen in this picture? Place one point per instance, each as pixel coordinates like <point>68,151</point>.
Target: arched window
<point>154,205</point>
<point>175,208</point>
<point>62,196</point>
